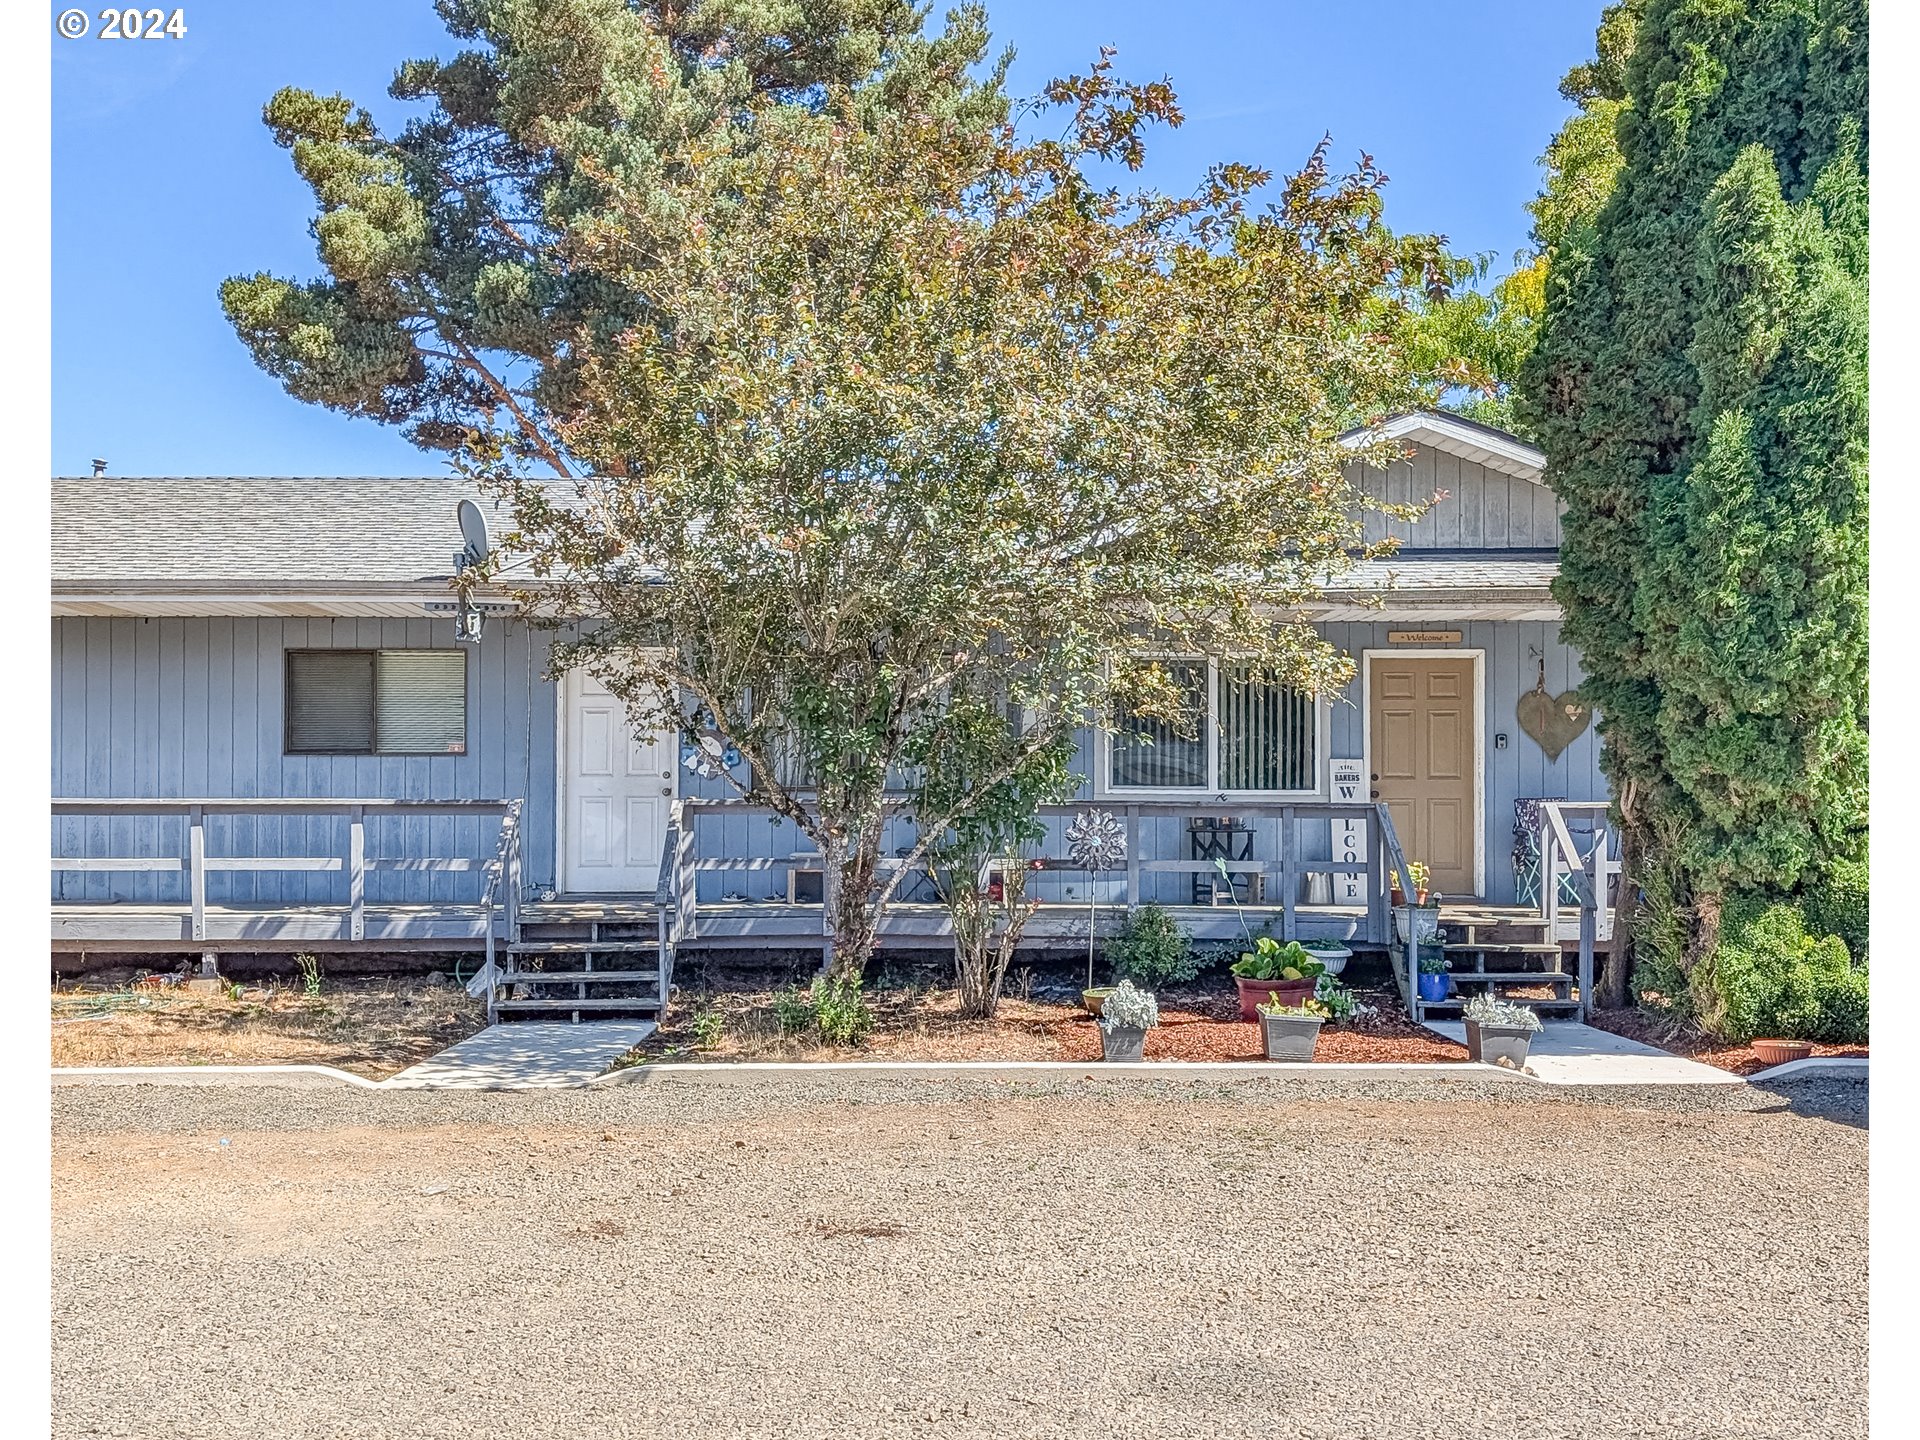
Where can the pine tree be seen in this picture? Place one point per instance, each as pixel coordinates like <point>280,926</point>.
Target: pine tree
<point>449,305</point>
<point>1700,391</point>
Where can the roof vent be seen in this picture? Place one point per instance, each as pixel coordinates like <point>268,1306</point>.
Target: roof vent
<point>99,468</point>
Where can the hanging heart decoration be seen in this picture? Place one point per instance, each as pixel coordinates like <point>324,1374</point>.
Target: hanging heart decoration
<point>1553,721</point>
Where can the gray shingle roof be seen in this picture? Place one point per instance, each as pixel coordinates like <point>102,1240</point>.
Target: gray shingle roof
<point>275,533</point>
<point>1471,570</point>
<point>205,533</point>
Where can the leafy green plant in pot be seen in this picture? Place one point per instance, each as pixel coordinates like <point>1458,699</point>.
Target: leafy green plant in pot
<point>1499,1032</point>
<point>1125,1019</point>
<point>1151,950</point>
<point>1286,973</point>
<point>1434,966</point>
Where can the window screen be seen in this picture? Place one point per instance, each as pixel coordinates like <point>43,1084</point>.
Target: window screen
<point>421,702</point>
<point>330,701</point>
<point>377,702</point>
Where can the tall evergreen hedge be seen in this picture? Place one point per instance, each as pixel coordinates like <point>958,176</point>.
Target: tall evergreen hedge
<point>1700,389</point>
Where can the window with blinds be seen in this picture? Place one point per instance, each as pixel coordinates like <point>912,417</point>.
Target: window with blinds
<point>1156,754</point>
<point>377,702</point>
<point>1268,734</point>
<point>1266,737</point>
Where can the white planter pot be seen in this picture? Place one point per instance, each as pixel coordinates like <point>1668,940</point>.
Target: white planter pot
<point>1417,921</point>
<point>1335,958</point>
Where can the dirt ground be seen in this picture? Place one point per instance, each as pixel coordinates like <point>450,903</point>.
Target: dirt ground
<point>371,1027</point>
<point>844,1256</point>
<point>1740,1059</point>
<point>919,1020</point>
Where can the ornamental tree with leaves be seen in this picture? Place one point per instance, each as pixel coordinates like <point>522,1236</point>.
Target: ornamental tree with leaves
<point>1700,391</point>
<point>934,446</point>
<point>906,446</point>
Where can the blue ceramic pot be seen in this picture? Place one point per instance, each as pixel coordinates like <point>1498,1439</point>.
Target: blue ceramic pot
<point>1434,987</point>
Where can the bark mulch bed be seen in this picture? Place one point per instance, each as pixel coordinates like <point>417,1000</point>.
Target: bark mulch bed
<point>921,1023</point>
<point>370,1027</point>
<point>1740,1059</point>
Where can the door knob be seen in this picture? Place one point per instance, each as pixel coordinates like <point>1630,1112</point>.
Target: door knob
<point>1373,777</point>
<point>666,790</point>
<point>1373,794</point>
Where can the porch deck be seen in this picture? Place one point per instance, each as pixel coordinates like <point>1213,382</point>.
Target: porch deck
<point>1349,850</point>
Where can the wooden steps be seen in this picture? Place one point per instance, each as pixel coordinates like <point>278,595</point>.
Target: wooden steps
<point>1492,953</point>
<point>585,964</point>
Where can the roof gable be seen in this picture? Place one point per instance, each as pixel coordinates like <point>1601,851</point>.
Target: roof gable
<point>1485,445</point>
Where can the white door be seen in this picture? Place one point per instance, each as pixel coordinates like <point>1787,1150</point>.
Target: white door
<point>616,788</point>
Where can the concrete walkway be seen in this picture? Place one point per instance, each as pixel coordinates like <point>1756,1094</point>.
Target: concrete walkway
<point>1566,1052</point>
<point>527,1055</point>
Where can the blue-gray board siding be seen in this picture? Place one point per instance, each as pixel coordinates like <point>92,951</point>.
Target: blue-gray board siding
<point>172,708</point>
<point>184,708</point>
<point>1484,509</point>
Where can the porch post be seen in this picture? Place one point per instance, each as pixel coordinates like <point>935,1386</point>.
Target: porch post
<point>357,874</point>
<point>197,869</point>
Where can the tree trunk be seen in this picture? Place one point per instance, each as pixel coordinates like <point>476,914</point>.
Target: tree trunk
<point>1615,974</point>
<point>985,936</point>
<point>850,919</point>
<point>1703,936</point>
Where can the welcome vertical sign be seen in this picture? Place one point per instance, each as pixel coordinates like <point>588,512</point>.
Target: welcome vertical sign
<point>1349,836</point>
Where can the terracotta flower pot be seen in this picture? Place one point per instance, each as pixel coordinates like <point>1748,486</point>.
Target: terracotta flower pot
<point>1781,1052</point>
<point>1253,993</point>
<point>1396,897</point>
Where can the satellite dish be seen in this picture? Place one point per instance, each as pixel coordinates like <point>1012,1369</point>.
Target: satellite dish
<point>473,529</point>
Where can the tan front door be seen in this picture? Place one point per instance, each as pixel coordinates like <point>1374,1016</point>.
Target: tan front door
<point>1421,737</point>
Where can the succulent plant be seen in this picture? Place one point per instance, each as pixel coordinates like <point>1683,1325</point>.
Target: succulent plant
<point>1490,1010</point>
<point>1129,1009</point>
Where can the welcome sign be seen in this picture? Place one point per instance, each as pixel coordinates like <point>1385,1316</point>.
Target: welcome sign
<point>1349,836</point>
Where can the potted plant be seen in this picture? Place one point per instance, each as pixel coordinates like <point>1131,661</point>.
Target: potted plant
<point>1331,954</point>
<point>1417,876</point>
<point>1434,966</point>
<point>1417,924</point>
<point>1095,997</point>
<point>1291,1032</point>
<point>1125,1018</point>
<point>1499,1032</point>
<point>1396,896</point>
<point>1274,971</point>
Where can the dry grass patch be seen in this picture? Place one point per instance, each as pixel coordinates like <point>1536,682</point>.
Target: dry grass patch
<point>371,1027</point>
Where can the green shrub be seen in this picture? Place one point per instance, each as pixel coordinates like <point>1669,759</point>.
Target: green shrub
<point>1151,950</point>
<point>1836,904</point>
<point>793,1010</point>
<point>840,1012</point>
<point>833,1010</point>
<point>1769,976</point>
<point>1777,971</point>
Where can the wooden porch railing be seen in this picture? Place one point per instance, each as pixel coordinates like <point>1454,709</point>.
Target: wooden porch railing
<point>1591,871</point>
<point>1381,854</point>
<point>500,892</point>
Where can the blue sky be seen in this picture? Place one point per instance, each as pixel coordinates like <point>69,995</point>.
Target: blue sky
<point>165,182</point>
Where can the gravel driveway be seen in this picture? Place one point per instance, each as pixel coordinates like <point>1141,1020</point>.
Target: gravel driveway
<point>848,1257</point>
